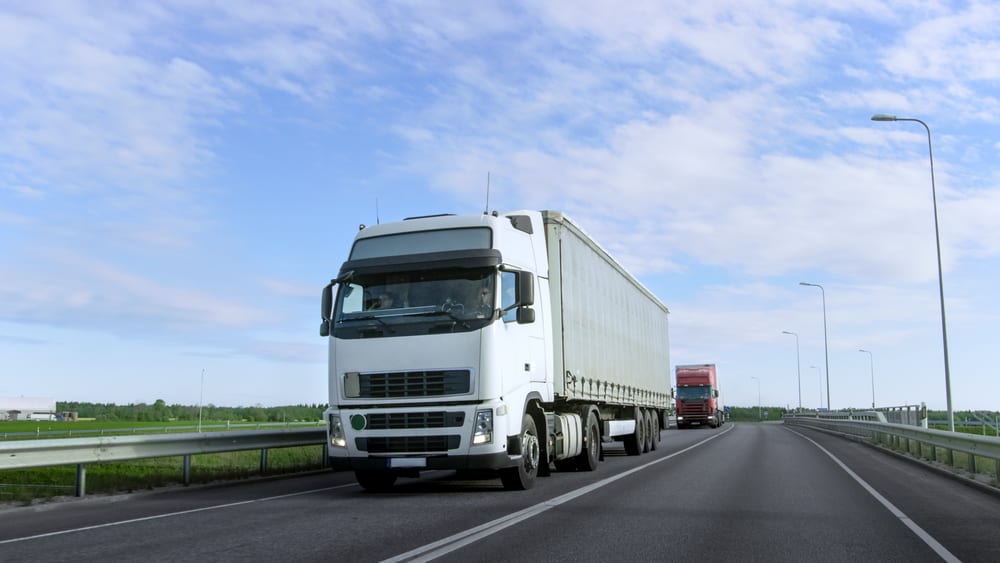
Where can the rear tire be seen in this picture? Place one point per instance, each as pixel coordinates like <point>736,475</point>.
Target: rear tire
<point>523,476</point>
<point>591,454</point>
<point>375,480</point>
<point>654,430</point>
<point>647,438</point>
<point>635,442</point>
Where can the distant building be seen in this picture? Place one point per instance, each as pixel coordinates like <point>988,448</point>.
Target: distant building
<point>28,408</point>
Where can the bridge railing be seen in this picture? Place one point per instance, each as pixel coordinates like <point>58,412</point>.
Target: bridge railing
<point>27,454</point>
<point>976,453</point>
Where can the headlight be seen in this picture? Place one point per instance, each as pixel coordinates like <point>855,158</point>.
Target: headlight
<point>482,433</point>
<point>336,433</point>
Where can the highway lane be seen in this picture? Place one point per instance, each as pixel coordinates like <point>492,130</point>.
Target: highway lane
<point>750,492</point>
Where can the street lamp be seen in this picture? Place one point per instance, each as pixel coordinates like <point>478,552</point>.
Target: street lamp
<point>798,365</point>
<point>871,362</point>
<point>819,372</point>
<point>759,416</point>
<point>937,240</point>
<point>826,347</point>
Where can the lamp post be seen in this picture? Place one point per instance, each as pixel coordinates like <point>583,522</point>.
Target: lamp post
<point>819,372</point>
<point>871,362</point>
<point>798,365</point>
<point>826,347</point>
<point>759,416</point>
<point>937,240</point>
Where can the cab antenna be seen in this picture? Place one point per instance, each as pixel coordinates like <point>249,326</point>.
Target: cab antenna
<point>487,210</point>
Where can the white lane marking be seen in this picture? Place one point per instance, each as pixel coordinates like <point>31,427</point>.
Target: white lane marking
<point>171,514</point>
<point>472,535</point>
<point>941,550</point>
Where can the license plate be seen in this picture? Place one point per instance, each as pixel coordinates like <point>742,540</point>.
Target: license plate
<point>407,462</point>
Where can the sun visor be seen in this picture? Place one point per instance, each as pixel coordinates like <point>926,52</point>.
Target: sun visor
<point>469,259</point>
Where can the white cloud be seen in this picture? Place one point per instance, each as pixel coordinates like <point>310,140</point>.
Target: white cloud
<point>959,46</point>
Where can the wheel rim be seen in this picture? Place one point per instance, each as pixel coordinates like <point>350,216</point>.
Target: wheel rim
<point>531,451</point>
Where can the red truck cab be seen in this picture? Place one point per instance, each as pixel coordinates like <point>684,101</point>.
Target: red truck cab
<point>697,396</point>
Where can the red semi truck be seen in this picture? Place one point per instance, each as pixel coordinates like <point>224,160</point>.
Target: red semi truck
<point>698,396</point>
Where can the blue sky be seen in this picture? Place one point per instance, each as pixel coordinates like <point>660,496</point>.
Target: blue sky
<point>178,180</point>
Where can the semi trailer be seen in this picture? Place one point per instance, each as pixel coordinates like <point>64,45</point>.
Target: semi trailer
<point>504,341</point>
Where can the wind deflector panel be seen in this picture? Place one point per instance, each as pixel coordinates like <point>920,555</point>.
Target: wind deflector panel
<point>469,259</point>
<point>522,223</point>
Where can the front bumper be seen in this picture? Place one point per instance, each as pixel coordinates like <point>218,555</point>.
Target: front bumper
<point>498,460</point>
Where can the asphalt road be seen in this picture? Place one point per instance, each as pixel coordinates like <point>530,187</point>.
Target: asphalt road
<point>745,492</point>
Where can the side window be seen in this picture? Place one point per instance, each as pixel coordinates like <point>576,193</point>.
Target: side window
<point>508,283</point>
<point>352,294</point>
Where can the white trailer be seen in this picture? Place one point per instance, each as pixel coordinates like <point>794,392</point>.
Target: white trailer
<point>511,342</point>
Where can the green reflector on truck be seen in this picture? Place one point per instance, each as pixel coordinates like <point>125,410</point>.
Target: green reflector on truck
<point>358,421</point>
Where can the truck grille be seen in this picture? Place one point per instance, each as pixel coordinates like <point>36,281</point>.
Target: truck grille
<point>407,444</point>
<point>407,384</point>
<point>692,408</point>
<point>406,420</point>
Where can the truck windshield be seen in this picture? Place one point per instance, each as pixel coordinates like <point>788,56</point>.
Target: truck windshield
<point>397,304</point>
<point>694,392</point>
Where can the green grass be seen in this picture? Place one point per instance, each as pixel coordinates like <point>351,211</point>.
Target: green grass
<point>29,485</point>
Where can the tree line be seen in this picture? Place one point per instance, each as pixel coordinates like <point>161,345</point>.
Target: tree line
<point>160,411</point>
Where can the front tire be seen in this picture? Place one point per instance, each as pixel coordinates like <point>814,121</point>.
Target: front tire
<point>523,476</point>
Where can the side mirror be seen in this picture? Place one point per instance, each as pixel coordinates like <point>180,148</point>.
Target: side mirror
<point>525,289</point>
<point>326,304</point>
<point>525,315</point>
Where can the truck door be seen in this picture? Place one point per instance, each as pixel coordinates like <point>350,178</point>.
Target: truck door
<point>526,341</point>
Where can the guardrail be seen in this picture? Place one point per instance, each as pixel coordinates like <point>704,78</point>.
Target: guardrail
<point>26,454</point>
<point>70,432</point>
<point>922,442</point>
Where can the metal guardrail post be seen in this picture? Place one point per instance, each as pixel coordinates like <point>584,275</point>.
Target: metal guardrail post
<point>972,463</point>
<point>81,480</point>
<point>186,470</point>
<point>263,460</point>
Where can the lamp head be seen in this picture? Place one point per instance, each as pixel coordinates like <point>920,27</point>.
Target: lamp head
<point>883,117</point>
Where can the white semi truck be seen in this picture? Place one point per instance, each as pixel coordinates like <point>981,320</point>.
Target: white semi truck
<point>505,341</point>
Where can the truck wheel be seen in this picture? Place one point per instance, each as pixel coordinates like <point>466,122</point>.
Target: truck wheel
<point>635,442</point>
<point>522,477</point>
<point>654,430</point>
<point>375,480</point>
<point>591,454</point>
<point>645,429</point>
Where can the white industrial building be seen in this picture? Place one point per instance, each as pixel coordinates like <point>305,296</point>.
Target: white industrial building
<point>27,408</point>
